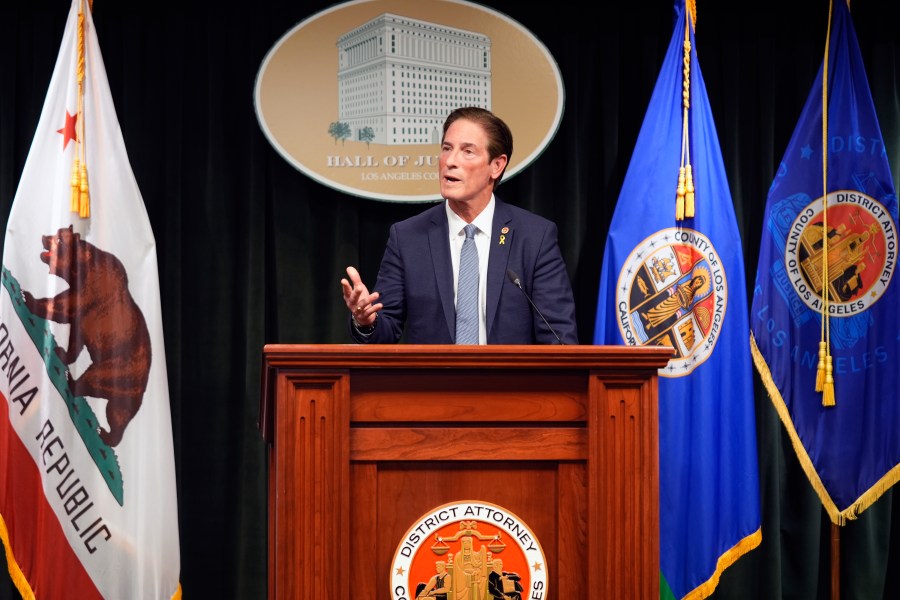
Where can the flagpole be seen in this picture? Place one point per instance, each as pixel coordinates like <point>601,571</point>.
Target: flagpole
<point>827,387</point>
<point>835,561</point>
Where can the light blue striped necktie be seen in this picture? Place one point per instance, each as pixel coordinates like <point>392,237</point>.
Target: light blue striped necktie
<point>467,291</point>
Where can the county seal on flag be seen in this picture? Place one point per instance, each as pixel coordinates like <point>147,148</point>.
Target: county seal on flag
<point>672,292</point>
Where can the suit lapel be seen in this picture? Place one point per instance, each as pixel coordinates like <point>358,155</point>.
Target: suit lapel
<point>438,239</point>
<point>498,258</point>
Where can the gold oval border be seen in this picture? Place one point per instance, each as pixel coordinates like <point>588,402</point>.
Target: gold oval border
<point>296,96</point>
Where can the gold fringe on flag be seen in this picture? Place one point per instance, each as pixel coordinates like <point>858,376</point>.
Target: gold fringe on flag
<point>838,517</point>
<point>15,571</point>
<point>825,371</point>
<point>81,197</point>
<point>684,196</point>
<point>743,546</point>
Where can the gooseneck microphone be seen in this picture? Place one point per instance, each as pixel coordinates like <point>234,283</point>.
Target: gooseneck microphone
<point>518,283</point>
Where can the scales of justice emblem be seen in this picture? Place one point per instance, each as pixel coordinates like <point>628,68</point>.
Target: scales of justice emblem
<point>469,551</point>
<point>672,291</point>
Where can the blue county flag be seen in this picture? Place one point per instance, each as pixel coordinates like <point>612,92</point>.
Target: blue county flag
<point>825,280</point>
<point>87,473</point>
<point>680,282</point>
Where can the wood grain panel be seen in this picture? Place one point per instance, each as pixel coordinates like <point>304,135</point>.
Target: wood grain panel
<point>534,396</point>
<point>311,470</point>
<point>572,522</point>
<point>363,512</point>
<point>625,481</point>
<point>471,443</point>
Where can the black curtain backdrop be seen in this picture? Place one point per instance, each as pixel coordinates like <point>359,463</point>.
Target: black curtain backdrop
<point>251,251</point>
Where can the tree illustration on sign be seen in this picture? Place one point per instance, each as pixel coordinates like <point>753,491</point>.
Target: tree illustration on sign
<point>339,131</point>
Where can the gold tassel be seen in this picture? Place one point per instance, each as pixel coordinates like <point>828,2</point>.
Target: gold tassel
<point>689,193</point>
<point>679,198</point>
<point>81,198</point>
<point>820,370</point>
<point>828,397</point>
<point>84,204</point>
<point>76,187</point>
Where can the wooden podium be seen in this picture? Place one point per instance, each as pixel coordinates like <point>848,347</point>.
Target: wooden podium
<point>359,436</point>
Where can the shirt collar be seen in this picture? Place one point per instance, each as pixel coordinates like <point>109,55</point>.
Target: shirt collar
<point>482,222</point>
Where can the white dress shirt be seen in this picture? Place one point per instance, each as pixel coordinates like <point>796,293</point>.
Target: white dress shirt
<point>457,233</point>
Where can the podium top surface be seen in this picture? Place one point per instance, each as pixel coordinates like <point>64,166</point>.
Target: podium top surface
<point>425,356</point>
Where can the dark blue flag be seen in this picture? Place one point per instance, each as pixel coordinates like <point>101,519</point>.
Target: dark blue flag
<point>681,283</point>
<point>837,263</point>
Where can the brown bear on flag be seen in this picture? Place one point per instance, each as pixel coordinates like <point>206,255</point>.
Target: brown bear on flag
<point>104,319</point>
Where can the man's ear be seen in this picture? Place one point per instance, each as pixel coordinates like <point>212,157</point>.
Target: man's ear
<point>497,166</point>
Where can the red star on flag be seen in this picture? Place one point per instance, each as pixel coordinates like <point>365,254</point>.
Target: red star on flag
<point>68,130</point>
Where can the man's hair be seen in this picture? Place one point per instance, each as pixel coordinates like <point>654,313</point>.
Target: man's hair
<point>500,139</point>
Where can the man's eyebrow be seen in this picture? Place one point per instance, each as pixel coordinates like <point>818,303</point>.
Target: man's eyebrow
<point>460,144</point>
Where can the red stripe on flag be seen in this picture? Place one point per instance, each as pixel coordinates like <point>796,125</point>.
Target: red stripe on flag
<point>35,535</point>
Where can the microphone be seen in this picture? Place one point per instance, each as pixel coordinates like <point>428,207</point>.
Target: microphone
<point>518,283</point>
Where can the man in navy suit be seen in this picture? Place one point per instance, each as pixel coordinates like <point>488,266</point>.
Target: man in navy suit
<point>417,282</point>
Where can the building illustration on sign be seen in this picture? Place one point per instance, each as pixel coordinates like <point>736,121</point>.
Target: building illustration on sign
<point>399,78</point>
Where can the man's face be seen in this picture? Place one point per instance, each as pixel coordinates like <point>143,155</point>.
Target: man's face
<point>466,172</point>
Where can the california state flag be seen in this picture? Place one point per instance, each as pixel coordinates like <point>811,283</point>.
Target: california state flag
<point>87,478</point>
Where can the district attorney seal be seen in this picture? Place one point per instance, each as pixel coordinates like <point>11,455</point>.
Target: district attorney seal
<point>468,548</point>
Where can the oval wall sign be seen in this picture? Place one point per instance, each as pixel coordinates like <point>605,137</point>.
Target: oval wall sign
<point>356,95</point>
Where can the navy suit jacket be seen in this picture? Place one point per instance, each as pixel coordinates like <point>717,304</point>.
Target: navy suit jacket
<point>415,282</point>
